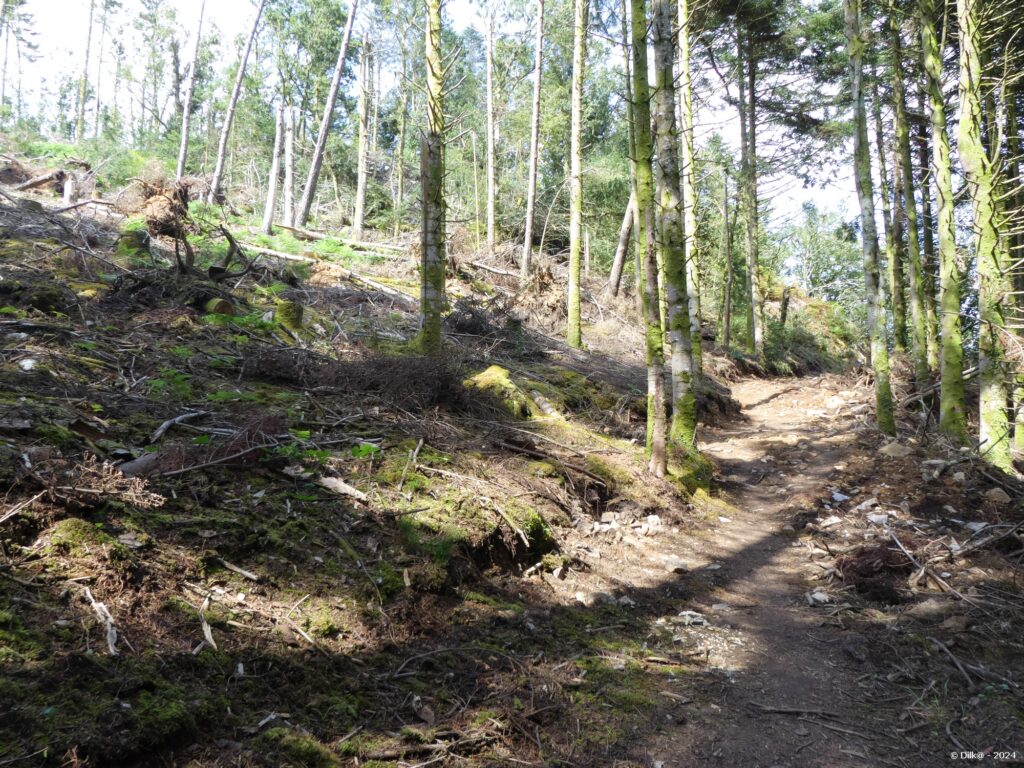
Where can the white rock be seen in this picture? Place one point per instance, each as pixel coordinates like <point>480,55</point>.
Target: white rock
<point>864,506</point>
<point>722,519</point>
<point>896,451</point>
<point>976,527</point>
<point>959,477</point>
<point>998,496</point>
<point>27,364</point>
<point>690,618</point>
<point>818,597</point>
<point>828,522</point>
<point>653,520</point>
<point>839,497</point>
<point>878,519</point>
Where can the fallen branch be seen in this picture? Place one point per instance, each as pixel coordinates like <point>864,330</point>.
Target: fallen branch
<point>39,181</point>
<point>18,507</point>
<point>240,571</point>
<point>207,630</point>
<point>339,486</point>
<point>162,429</point>
<point>541,455</point>
<point>494,270</point>
<point>215,462</point>
<point>104,616</point>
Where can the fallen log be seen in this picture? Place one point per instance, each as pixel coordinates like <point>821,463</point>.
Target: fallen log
<point>359,245</point>
<point>53,176</point>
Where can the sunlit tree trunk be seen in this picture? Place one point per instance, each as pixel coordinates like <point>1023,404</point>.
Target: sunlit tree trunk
<point>275,170</point>
<point>657,422</point>
<point>104,21</point>
<point>981,171</point>
<point>229,117</point>
<point>869,235</point>
<point>622,247</point>
<point>671,240</point>
<point>928,267</point>
<point>190,88</point>
<point>489,126</point>
<point>1016,239</point>
<point>952,418</point>
<point>689,187</point>
<point>317,160</point>
<point>432,238</point>
<point>631,142</point>
<point>727,248</point>
<point>918,317</point>
<point>83,80</point>
<point>403,117</point>
<point>363,147</point>
<point>579,59</point>
<point>531,175</point>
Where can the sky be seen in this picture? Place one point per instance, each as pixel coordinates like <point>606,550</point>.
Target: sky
<point>61,28</point>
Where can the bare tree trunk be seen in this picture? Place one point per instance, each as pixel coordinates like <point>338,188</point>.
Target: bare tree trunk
<point>689,188</point>
<point>531,183</point>
<point>403,115</point>
<point>363,148</point>
<point>275,171</point>
<point>615,278</point>
<point>186,117</point>
<point>83,81</point>
<point>99,76</point>
<point>489,125</point>
<point>432,247</point>
<point>748,170</point>
<point>574,333</point>
<point>317,161</point>
<point>288,203</point>
<point>229,117</point>
<point>727,245</point>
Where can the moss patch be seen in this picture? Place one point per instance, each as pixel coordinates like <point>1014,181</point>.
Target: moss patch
<point>299,748</point>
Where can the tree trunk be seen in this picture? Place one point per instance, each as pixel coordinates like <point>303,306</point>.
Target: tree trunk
<point>186,117</point>
<point>229,117</point>
<point>918,317</point>
<point>927,237</point>
<point>1016,242</point>
<point>476,192</point>
<point>689,187</point>
<point>275,170</point>
<point>727,246</point>
<point>579,58</point>
<point>748,168</point>
<point>531,178</point>
<point>83,81</point>
<point>643,154</point>
<point>672,241</point>
<point>317,161</point>
<point>638,254</point>
<point>615,277</point>
<point>981,171</point>
<point>432,298</point>
<point>897,283</point>
<point>952,411</point>
<point>403,115</point>
<point>363,148</point>
<point>99,76</point>
<point>489,123</point>
<point>869,237</point>
<point>288,202</point>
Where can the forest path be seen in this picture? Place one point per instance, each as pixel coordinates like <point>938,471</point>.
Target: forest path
<point>795,689</point>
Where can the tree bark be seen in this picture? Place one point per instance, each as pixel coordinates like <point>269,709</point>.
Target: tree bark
<point>727,246</point>
<point>363,148</point>
<point>869,236</point>
<point>981,171</point>
<point>672,241</point>
<point>657,422</point>
<point>952,411</point>
<point>97,127</point>
<point>275,170</point>
<point>918,317</point>
<point>927,236</point>
<point>622,248</point>
<point>288,201</point>
<point>531,178</point>
<point>229,117</point>
<point>186,117</point>
<point>317,161</point>
<point>432,291</point>
<point>83,81</point>
<point>689,188</point>
<point>403,116</point>
<point>579,58</point>
<point>747,79</point>
<point>489,125</point>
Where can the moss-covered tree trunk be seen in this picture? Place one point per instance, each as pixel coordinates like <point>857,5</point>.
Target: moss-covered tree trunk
<point>622,247</point>
<point>892,251</point>
<point>981,170</point>
<point>579,60</point>
<point>643,155</point>
<point>918,316</point>
<point>952,412</point>
<point>928,269</point>
<point>317,160</point>
<point>869,235</point>
<point>363,141</point>
<point>432,238</point>
<point>531,175</point>
<point>489,126</point>
<point>727,258</point>
<point>1015,200</point>
<point>403,117</point>
<point>671,238</point>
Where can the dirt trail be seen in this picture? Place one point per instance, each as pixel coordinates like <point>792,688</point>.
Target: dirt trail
<point>792,691</point>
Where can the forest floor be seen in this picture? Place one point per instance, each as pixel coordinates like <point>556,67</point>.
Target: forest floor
<point>240,538</point>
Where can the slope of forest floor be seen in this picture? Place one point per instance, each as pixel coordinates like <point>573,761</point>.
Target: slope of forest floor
<point>320,549</point>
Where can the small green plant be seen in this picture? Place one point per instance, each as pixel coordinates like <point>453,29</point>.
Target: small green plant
<point>171,383</point>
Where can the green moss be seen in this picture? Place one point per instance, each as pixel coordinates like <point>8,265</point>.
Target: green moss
<point>613,477</point>
<point>299,748</point>
<point>162,718</point>
<point>322,624</point>
<point>493,602</point>
<point>56,435</point>
<point>17,642</point>
<point>497,381</point>
<point>288,314</point>
<point>690,472</point>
